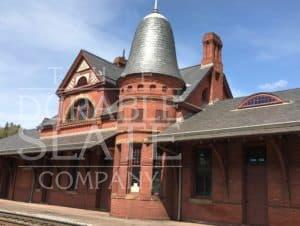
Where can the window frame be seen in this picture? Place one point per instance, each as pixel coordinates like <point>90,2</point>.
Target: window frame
<point>76,110</point>
<point>161,116</point>
<point>196,176</point>
<point>139,117</point>
<point>134,164</point>
<point>245,104</point>
<point>80,80</point>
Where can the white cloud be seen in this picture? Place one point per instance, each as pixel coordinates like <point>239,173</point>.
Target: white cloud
<point>36,35</point>
<point>278,85</point>
<point>39,24</point>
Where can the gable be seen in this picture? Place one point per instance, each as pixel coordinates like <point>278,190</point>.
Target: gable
<point>92,67</point>
<point>83,71</point>
<point>83,66</point>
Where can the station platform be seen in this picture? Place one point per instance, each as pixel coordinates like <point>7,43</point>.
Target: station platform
<point>78,217</point>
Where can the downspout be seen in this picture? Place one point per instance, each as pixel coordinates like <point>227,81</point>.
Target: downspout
<point>179,187</point>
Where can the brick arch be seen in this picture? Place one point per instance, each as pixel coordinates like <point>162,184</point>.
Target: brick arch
<point>74,100</point>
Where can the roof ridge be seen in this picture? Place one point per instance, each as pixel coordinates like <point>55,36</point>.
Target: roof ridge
<point>98,57</point>
<point>285,90</point>
<point>242,97</point>
<point>184,68</point>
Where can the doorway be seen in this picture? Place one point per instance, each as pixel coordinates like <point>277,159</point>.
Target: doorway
<point>4,183</point>
<point>256,186</point>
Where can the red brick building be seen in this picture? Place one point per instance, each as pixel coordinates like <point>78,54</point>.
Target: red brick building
<point>141,138</point>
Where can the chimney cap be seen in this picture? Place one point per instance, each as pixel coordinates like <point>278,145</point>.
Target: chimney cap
<point>212,36</point>
<point>120,61</point>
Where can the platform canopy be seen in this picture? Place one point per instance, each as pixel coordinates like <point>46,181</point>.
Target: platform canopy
<point>28,141</point>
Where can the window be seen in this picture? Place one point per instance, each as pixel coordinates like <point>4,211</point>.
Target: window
<point>73,173</point>
<point>120,116</point>
<point>81,110</point>
<point>135,163</point>
<point>129,88</point>
<point>137,115</point>
<point>205,96</point>
<point>164,89</point>
<point>157,167</point>
<point>152,88</point>
<point>261,99</point>
<point>140,87</point>
<point>177,91</point>
<point>160,116</point>
<point>256,156</point>
<point>203,172</point>
<point>82,82</point>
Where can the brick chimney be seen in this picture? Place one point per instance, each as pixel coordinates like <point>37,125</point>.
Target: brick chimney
<point>212,51</point>
<point>120,61</point>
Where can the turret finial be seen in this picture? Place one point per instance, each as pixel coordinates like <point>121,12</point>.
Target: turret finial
<point>155,9</point>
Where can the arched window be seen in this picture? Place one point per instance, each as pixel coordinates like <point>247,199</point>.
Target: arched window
<point>164,89</point>
<point>82,109</point>
<point>82,82</point>
<point>152,87</point>
<point>260,99</point>
<point>129,88</point>
<point>204,96</point>
<point>140,87</point>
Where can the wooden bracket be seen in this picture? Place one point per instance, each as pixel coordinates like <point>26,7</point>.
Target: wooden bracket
<point>223,166</point>
<point>284,166</point>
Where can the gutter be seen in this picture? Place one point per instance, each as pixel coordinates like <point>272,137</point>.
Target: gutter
<point>171,137</point>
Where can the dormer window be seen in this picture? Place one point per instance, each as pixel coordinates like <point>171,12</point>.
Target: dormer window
<point>205,96</point>
<point>260,99</point>
<point>82,110</point>
<point>82,82</point>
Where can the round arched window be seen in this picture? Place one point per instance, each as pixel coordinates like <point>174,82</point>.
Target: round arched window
<point>82,82</point>
<point>81,110</point>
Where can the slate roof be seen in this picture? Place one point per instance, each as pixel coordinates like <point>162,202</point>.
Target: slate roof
<point>192,76</point>
<point>49,122</point>
<point>99,64</point>
<point>111,109</point>
<point>153,48</point>
<point>223,119</point>
<point>28,141</point>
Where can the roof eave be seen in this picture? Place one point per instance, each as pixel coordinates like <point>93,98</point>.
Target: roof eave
<point>290,127</point>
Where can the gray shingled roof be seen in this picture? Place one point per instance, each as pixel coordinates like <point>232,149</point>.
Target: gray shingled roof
<point>28,141</point>
<point>101,65</point>
<point>223,119</point>
<point>153,48</point>
<point>111,109</point>
<point>192,76</point>
<point>49,122</point>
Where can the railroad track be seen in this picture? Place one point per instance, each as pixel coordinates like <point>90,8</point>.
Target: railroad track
<point>10,219</point>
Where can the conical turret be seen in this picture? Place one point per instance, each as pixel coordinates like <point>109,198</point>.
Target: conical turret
<point>153,48</point>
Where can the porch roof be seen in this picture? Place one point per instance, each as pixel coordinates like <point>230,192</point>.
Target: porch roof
<point>28,141</point>
<point>223,119</point>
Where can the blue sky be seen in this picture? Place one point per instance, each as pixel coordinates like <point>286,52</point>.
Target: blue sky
<point>261,44</point>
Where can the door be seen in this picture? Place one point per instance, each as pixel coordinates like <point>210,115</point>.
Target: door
<point>256,189</point>
<point>23,185</point>
<point>4,183</point>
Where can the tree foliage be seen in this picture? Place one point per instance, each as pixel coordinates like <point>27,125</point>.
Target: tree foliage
<point>9,130</point>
